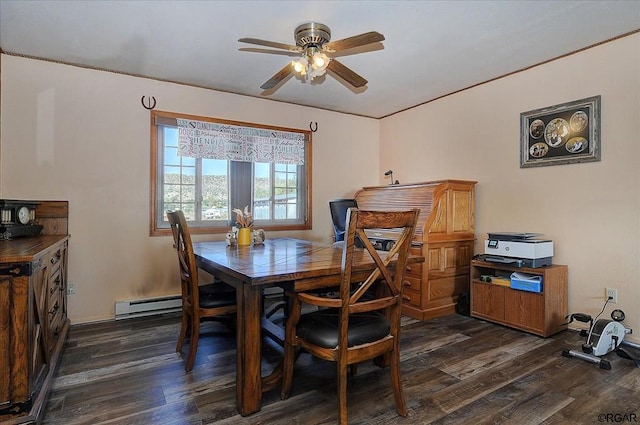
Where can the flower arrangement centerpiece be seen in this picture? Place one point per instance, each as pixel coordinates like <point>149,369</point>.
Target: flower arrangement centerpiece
<point>244,221</point>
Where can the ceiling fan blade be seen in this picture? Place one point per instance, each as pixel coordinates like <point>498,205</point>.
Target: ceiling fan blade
<point>276,79</point>
<point>355,41</point>
<point>273,44</point>
<point>273,52</point>
<point>346,74</point>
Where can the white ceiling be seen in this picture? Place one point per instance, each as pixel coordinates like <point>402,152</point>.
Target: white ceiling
<point>432,48</point>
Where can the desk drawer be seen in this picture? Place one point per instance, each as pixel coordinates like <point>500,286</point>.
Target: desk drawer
<point>414,269</point>
<point>411,297</point>
<point>412,283</point>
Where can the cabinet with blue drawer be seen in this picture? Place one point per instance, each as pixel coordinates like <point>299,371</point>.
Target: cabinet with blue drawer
<point>541,313</point>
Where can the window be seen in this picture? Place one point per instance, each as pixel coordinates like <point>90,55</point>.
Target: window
<point>207,167</point>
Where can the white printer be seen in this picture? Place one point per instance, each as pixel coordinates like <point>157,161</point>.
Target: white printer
<point>519,249</point>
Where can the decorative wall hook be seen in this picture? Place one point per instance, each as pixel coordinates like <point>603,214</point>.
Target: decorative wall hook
<point>150,105</point>
<point>311,126</point>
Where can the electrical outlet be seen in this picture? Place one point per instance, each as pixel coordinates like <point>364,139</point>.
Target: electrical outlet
<point>71,288</point>
<point>612,295</point>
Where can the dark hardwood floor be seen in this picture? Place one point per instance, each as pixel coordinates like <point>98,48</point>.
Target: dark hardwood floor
<point>456,370</point>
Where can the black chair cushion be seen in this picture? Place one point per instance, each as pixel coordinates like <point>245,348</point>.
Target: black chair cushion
<point>321,328</point>
<point>216,295</point>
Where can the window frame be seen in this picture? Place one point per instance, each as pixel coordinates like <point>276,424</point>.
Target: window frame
<point>158,118</point>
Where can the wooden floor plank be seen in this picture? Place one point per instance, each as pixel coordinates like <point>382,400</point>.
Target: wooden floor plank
<point>455,370</point>
<point>492,357</point>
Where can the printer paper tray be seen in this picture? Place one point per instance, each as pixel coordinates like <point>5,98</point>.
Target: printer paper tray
<point>503,260</point>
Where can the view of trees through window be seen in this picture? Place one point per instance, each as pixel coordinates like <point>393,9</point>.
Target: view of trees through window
<point>207,190</point>
<point>180,193</point>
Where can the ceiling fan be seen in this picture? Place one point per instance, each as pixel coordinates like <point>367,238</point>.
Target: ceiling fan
<point>315,50</point>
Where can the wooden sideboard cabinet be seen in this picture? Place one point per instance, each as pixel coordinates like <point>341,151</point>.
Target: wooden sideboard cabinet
<point>542,313</point>
<point>444,236</point>
<point>33,319</point>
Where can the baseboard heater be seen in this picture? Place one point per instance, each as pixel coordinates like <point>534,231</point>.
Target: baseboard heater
<point>148,306</point>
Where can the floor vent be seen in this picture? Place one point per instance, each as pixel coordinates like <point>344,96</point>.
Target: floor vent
<point>147,306</point>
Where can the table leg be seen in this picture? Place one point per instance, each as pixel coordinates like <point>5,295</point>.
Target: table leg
<point>249,372</point>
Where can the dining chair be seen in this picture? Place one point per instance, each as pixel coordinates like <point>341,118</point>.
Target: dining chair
<point>353,328</point>
<point>213,301</point>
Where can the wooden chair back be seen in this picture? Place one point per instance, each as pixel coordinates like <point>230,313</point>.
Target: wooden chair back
<point>186,259</point>
<point>214,301</point>
<point>364,321</point>
<point>389,283</point>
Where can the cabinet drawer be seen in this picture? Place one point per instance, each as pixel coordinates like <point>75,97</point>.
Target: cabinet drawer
<point>54,306</point>
<point>55,327</point>
<point>56,317</point>
<point>56,320</point>
<point>55,286</point>
<point>55,260</point>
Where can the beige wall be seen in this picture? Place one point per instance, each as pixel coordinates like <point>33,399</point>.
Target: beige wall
<point>591,211</point>
<point>83,136</point>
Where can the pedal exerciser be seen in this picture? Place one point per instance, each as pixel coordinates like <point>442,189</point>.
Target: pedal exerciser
<point>602,337</point>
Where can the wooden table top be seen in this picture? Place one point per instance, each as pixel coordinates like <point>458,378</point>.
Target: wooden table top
<point>279,260</point>
<point>23,249</point>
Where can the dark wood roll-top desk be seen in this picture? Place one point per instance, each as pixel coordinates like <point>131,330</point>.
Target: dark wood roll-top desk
<point>33,314</point>
<point>445,236</point>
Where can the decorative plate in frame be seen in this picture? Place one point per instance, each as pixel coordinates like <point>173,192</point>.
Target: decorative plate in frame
<point>562,134</point>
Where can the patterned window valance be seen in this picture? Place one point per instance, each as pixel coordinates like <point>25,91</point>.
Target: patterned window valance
<point>199,139</point>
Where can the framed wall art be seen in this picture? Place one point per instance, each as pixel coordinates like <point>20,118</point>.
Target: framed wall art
<point>562,134</point>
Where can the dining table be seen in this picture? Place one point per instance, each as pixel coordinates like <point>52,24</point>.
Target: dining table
<point>294,264</point>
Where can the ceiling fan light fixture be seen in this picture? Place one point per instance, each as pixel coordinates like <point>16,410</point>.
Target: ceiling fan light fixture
<point>300,65</point>
<point>320,60</point>
<point>319,63</point>
<point>313,73</point>
<point>313,64</point>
